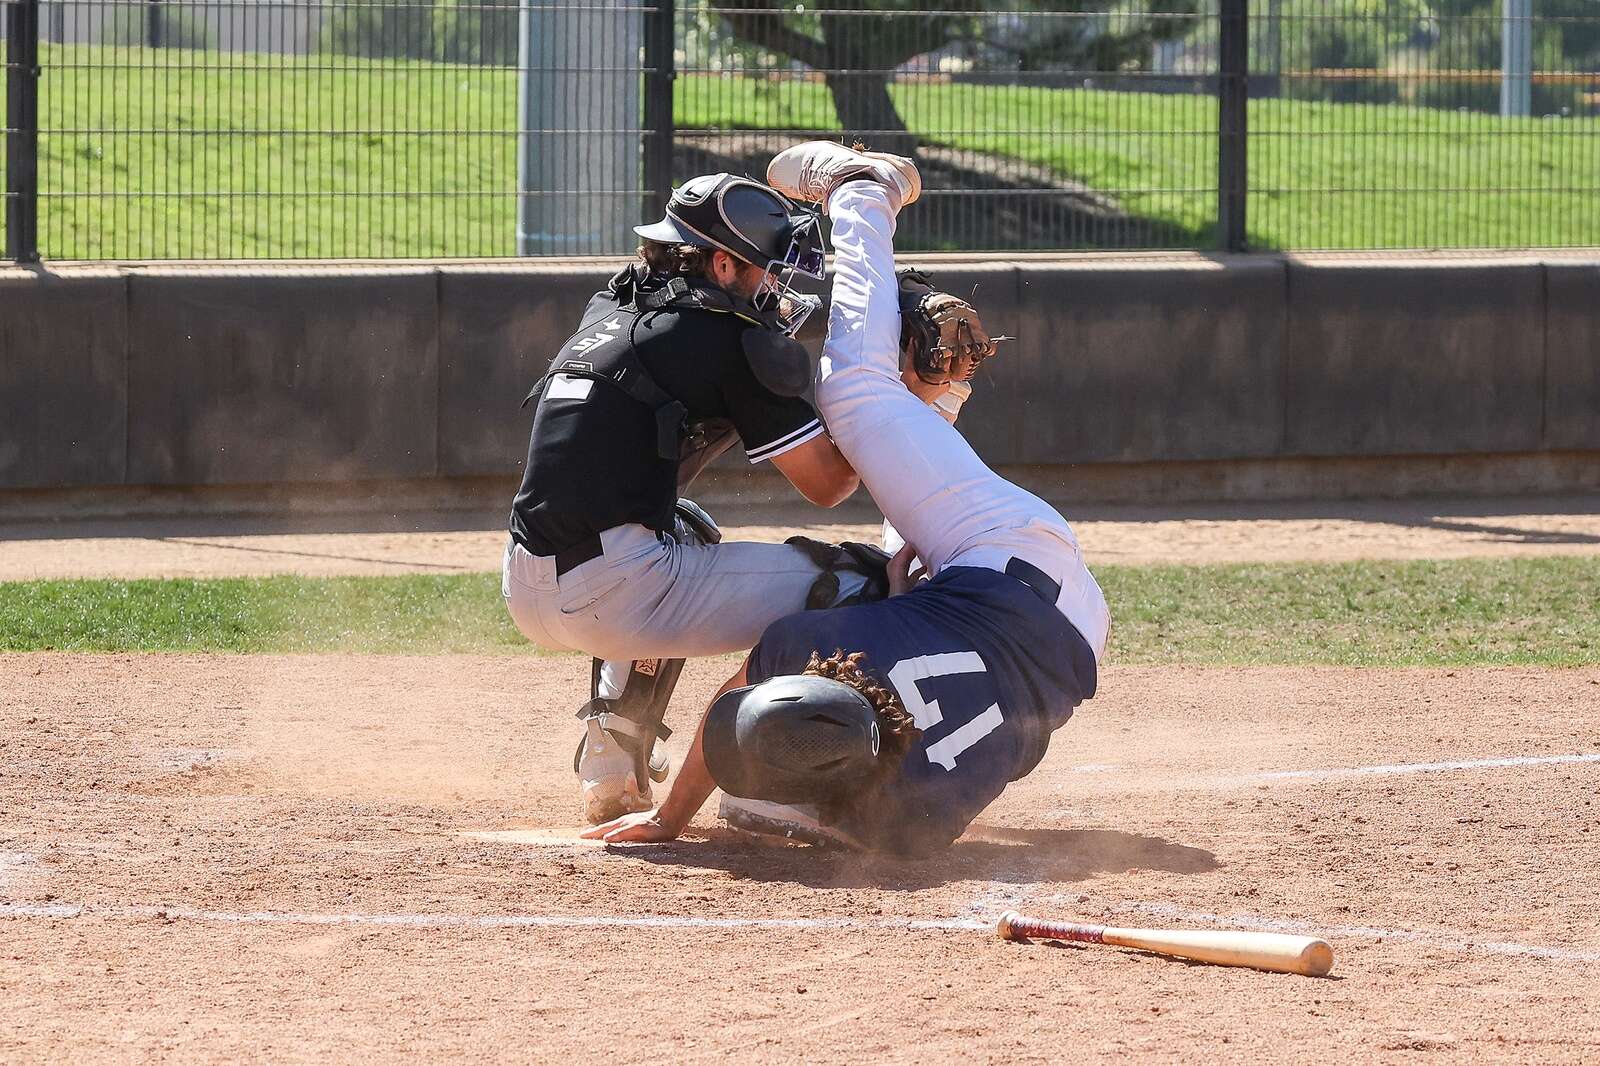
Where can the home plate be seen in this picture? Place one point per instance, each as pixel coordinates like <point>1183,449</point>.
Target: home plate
<point>539,838</point>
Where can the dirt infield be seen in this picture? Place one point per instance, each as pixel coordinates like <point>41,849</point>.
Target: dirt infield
<point>1394,529</point>
<point>221,858</point>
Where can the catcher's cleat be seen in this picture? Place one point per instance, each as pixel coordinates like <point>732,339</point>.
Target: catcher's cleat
<point>607,776</point>
<point>812,170</point>
<point>780,820</point>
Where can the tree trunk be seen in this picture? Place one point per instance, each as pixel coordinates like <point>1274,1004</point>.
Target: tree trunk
<point>867,112</point>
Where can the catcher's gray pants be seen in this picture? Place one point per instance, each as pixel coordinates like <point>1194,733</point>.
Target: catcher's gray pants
<point>648,596</point>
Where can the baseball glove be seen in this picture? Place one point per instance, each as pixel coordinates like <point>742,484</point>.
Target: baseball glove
<point>942,333</point>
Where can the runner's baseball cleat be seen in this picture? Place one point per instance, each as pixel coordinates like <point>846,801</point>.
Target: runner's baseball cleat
<point>812,170</point>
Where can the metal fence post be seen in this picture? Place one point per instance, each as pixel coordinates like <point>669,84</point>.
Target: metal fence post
<point>22,124</point>
<point>580,129</point>
<point>1516,58</point>
<point>661,68</point>
<point>1233,93</point>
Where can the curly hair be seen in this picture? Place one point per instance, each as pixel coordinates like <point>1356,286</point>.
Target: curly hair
<point>896,728</point>
<point>687,260</point>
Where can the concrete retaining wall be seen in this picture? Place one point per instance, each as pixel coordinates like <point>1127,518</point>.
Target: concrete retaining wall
<point>1411,359</point>
<point>249,377</point>
<point>63,379</point>
<point>200,376</point>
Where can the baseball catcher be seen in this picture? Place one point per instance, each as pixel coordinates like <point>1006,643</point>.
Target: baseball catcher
<point>685,353</point>
<point>891,725</point>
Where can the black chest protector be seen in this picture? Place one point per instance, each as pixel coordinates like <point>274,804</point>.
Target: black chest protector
<point>607,438</point>
<point>607,355</point>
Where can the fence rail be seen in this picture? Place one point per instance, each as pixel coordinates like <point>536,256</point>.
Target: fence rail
<point>240,129</point>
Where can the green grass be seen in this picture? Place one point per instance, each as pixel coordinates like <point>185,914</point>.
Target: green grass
<point>374,158</point>
<point>414,614</point>
<point>1462,612</point>
<point>1465,612</point>
<point>330,130</point>
<point>1156,154</point>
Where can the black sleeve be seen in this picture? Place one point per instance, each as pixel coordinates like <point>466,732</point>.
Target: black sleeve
<point>768,424</point>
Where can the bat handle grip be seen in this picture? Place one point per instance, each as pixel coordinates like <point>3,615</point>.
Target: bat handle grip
<point>1014,926</point>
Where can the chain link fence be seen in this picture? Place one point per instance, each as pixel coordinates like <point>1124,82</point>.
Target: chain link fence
<point>289,129</point>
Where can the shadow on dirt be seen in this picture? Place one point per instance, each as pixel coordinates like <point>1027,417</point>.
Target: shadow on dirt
<point>986,853</point>
<point>975,200</point>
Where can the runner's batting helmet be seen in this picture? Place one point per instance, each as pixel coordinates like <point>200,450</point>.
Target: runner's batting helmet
<point>793,739</point>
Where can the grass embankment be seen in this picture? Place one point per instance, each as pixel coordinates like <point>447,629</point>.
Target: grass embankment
<point>1457,613</point>
<point>327,156</point>
<point>1412,177</point>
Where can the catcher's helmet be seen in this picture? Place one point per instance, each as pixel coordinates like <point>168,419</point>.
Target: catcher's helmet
<point>756,224</point>
<point>793,739</point>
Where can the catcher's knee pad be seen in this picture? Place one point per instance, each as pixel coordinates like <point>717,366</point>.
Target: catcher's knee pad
<point>629,698</point>
<point>851,573</point>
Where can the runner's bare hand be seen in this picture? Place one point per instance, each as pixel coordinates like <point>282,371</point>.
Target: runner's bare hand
<point>642,827</point>
<point>901,579</point>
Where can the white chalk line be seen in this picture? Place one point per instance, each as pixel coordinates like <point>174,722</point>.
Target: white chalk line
<point>11,862</point>
<point>1507,762</point>
<point>1448,940</point>
<point>476,921</point>
<point>1451,941</point>
<point>1334,773</point>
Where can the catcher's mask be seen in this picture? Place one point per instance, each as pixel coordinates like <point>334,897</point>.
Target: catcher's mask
<point>793,739</point>
<point>756,224</point>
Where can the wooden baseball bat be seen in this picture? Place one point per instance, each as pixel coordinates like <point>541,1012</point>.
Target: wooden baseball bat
<point>1277,952</point>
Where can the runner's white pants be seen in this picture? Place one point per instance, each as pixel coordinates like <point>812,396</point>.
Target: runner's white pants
<point>924,476</point>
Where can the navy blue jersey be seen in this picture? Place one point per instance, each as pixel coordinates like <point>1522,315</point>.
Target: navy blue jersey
<point>986,667</point>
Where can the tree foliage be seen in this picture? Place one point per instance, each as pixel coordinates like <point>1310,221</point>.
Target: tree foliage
<point>857,45</point>
<point>482,31</point>
<point>164,26</point>
<point>1412,38</point>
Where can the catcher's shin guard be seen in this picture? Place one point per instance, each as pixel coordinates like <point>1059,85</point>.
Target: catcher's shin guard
<point>620,753</point>
<point>693,525</point>
<point>618,756</point>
